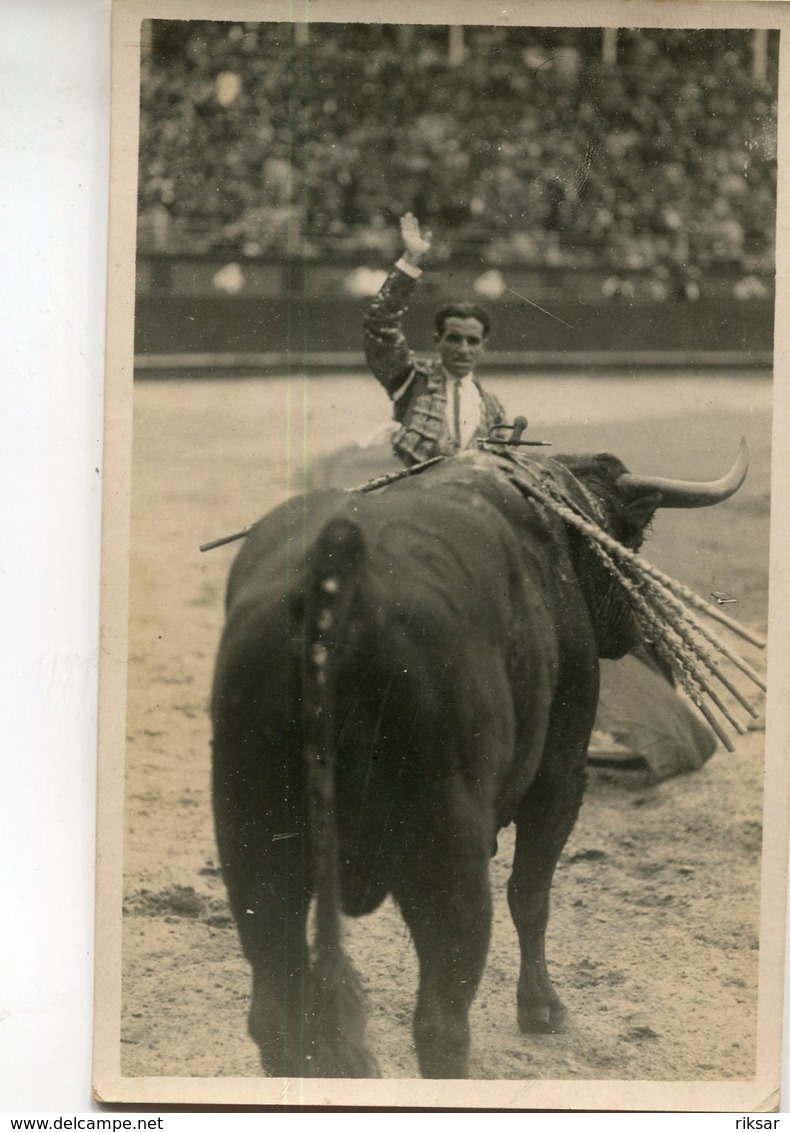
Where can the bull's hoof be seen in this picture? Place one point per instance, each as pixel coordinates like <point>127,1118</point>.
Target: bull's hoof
<point>549,1019</point>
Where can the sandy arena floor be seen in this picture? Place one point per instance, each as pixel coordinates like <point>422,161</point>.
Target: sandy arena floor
<point>654,932</point>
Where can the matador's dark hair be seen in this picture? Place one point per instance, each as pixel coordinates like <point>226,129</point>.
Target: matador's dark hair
<point>462,310</point>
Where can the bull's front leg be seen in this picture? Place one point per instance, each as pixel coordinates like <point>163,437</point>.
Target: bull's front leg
<point>544,821</point>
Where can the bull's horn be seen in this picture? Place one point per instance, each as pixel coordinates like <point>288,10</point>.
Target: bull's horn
<point>684,493</point>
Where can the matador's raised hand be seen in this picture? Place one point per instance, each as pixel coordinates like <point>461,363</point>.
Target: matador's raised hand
<point>416,243</point>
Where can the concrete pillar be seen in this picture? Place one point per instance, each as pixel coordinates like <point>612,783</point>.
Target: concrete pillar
<point>405,36</point>
<point>760,54</point>
<point>609,47</point>
<point>455,45</point>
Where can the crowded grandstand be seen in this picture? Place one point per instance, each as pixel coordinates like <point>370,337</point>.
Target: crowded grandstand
<point>636,149</point>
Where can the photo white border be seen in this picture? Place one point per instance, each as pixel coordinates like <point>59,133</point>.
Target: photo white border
<point>67,42</point>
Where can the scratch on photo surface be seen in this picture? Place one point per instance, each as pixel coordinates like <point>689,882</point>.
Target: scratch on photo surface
<point>542,309</point>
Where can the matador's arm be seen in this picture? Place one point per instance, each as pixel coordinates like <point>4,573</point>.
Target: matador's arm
<point>386,349</point>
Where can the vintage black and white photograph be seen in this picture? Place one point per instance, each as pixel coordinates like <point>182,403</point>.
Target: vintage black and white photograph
<point>440,404</point>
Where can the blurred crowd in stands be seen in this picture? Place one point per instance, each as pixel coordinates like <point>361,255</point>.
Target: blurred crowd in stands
<point>517,145</point>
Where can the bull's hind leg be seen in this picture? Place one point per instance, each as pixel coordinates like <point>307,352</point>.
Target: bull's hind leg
<point>262,845</point>
<point>443,891</point>
<point>270,908</point>
<point>545,819</point>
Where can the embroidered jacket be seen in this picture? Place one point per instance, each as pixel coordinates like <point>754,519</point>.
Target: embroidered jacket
<point>417,385</point>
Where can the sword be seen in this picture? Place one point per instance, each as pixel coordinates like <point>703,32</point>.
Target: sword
<point>517,429</point>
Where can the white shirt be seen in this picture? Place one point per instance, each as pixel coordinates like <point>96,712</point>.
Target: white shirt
<point>470,407</point>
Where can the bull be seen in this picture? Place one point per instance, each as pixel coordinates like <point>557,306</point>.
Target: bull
<point>401,675</point>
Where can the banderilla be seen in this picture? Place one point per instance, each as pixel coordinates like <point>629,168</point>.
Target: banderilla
<point>370,485</point>
<point>516,431</point>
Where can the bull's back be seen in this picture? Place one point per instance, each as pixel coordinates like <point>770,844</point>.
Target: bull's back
<point>422,669</point>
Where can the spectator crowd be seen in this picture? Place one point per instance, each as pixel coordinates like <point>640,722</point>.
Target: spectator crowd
<point>517,145</point>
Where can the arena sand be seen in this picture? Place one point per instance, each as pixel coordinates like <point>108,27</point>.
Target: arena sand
<point>653,940</point>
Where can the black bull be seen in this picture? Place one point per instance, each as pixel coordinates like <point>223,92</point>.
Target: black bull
<point>401,675</point>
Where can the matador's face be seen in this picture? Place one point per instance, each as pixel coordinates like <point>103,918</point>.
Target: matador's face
<point>460,344</point>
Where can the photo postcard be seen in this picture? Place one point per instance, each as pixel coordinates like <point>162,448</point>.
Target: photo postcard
<point>442,695</point>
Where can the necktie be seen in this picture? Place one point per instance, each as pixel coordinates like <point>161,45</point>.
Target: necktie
<point>457,411</point>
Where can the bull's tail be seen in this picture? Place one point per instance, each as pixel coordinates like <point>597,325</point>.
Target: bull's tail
<point>337,1013</point>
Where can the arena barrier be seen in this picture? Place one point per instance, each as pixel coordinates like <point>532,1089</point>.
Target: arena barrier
<point>196,315</point>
